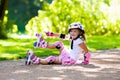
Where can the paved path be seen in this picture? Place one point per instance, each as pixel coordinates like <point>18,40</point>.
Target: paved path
<point>105,65</point>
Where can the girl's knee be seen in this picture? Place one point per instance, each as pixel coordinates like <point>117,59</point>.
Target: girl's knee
<point>59,45</point>
<point>50,59</point>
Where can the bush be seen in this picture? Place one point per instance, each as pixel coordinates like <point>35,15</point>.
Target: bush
<point>59,14</point>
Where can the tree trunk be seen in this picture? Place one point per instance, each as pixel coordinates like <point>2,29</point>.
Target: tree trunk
<point>3,7</point>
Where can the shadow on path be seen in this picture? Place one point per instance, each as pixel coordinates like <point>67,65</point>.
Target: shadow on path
<point>105,65</point>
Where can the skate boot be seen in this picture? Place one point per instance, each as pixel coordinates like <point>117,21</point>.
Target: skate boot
<point>31,58</point>
<point>40,43</point>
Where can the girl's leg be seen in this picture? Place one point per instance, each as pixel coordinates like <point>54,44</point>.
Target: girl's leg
<point>57,61</point>
<point>36,60</point>
<point>58,45</point>
<point>41,43</point>
<point>43,61</point>
<point>50,60</point>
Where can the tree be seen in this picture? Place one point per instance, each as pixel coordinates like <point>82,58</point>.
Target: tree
<point>3,6</point>
<point>21,11</point>
<point>60,13</point>
<point>95,15</point>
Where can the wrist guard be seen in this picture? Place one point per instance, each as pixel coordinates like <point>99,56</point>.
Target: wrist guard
<point>62,36</point>
<point>49,33</point>
<point>87,57</point>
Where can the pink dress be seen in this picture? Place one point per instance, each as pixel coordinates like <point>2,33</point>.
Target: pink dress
<point>70,58</point>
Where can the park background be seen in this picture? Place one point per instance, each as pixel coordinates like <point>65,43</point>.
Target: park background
<point>21,19</point>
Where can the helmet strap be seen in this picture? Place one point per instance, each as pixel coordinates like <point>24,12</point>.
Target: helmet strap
<point>72,44</point>
<point>73,40</point>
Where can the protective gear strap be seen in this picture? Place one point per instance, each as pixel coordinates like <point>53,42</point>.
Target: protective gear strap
<point>72,44</point>
<point>58,46</point>
<point>62,36</point>
<point>87,56</point>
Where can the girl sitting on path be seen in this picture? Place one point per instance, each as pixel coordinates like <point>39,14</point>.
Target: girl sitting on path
<point>76,37</point>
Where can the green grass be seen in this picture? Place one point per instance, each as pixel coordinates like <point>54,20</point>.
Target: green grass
<point>16,48</point>
<point>103,43</point>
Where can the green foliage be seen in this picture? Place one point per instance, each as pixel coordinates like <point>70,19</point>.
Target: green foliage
<point>3,5</point>
<point>21,11</point>
<point>59,14</point>
<point>8,26</point>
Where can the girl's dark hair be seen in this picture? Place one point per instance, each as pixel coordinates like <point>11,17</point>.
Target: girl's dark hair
<point>82,35</point>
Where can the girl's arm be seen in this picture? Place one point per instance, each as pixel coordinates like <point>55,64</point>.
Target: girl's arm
<point>87,55</point>
<point>62,36</point>
<point>83,46</point>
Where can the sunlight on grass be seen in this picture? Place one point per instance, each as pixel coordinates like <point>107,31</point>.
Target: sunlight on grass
<point>17,48</point>
<point>8,56</point>
<point>13,44</point>
<point>21,36</point>
<point>102,42</point>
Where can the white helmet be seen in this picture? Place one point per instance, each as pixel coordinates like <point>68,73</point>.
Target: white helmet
<point>75,25</point>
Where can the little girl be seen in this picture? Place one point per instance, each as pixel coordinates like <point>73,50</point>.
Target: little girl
<point>76,37</point>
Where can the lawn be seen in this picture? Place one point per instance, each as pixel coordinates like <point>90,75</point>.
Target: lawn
<point>16,48</point>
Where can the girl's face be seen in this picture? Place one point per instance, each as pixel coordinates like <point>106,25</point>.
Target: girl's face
<point>74,33</point>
